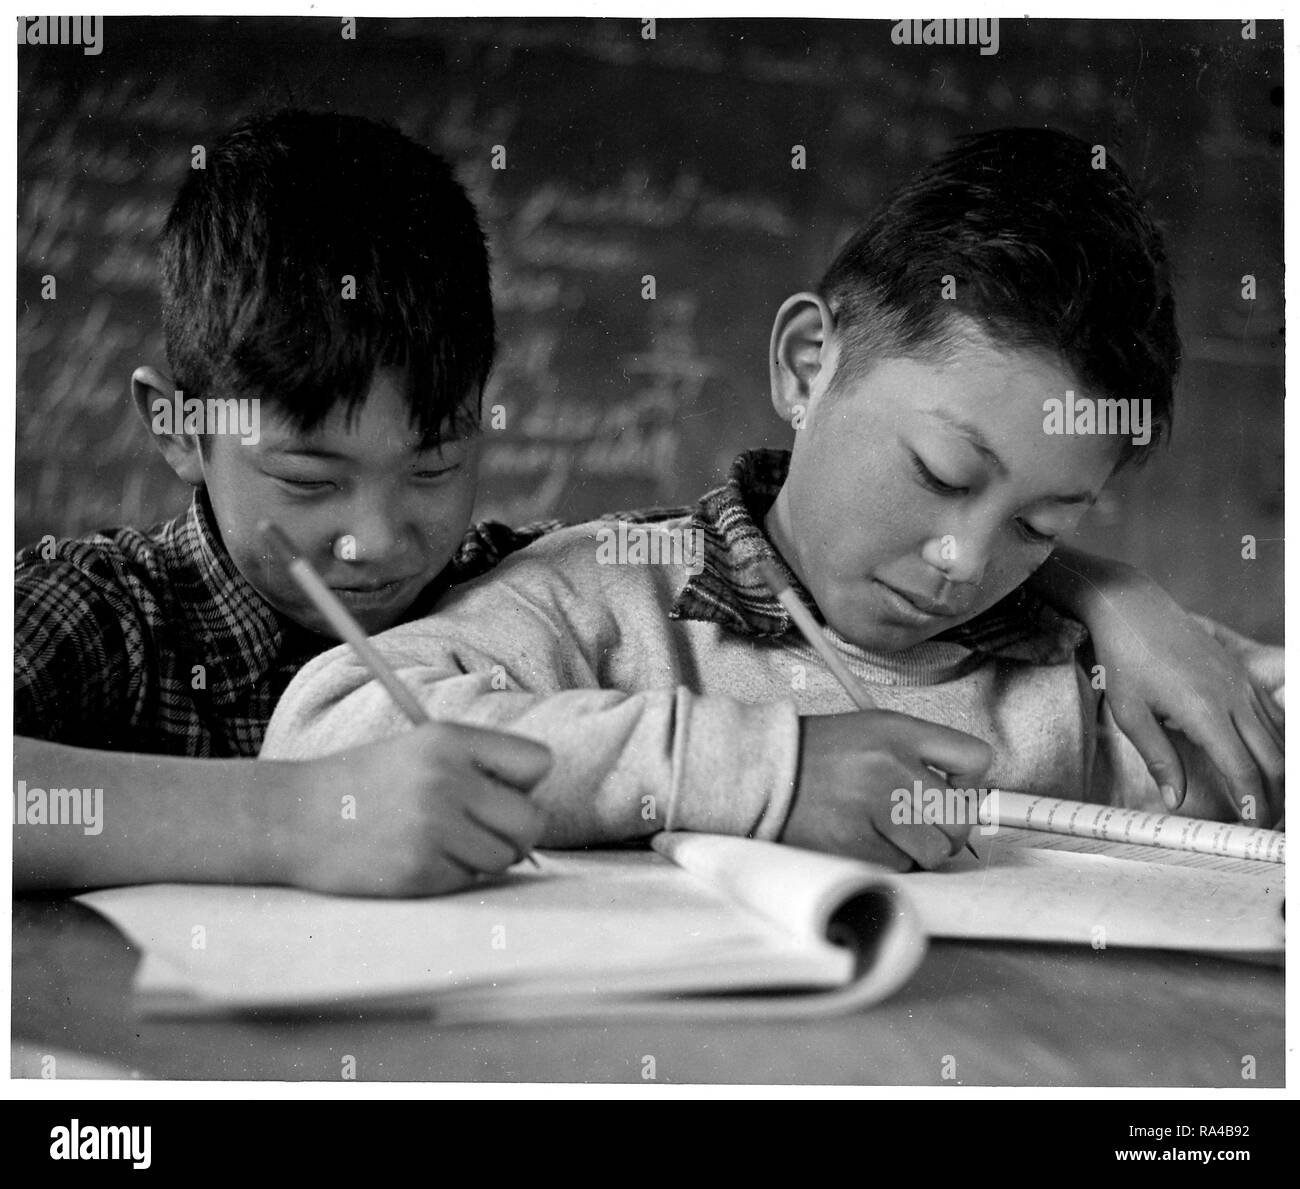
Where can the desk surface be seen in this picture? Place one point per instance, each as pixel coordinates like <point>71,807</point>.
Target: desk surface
<point>1008,1015</point>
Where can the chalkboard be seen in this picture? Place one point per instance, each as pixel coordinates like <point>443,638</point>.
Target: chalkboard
<point>670,156</point>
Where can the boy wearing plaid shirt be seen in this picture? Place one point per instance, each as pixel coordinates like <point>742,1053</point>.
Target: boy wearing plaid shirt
<point>143,656</point>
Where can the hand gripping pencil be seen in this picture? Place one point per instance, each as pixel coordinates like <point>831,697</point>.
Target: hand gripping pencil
<point>341,620</point>
<point>806,624</point>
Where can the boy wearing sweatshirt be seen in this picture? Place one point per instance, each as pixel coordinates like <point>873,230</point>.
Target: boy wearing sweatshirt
<point>932,476</point>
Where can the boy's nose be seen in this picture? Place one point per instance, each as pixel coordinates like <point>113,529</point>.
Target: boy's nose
<point>960,556</point>
<point>373,536</point>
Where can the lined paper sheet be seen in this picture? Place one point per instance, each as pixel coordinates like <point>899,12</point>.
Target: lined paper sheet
<point>1039,840</point>
<point>1021,890</point>
<point>1166,830</point>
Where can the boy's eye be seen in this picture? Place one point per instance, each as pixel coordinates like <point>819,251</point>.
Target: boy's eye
<point>1032,534</point>
<point>429,474</point>
<point>929,479</point>
<point>303,485</point>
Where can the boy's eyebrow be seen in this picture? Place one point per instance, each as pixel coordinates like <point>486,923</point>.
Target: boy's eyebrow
<point>973,435</point>
<point>333,455</point>
<point>309,452</point>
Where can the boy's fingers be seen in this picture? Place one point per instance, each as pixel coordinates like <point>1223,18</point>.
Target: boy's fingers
<point>1265,663</point>
<point>1242,775</point>
<point>927,846</point>
<point>507,813</point>
<point>1267,744</point>
<point>512,759</point>
<point>479,849</point>
<point>957,832</point>
<point>454,876</point>
<point>1158,753</point>
<point>893,857</point>
<point>1268,760</point>
<point>1270,714</point>
<point>963,757</point>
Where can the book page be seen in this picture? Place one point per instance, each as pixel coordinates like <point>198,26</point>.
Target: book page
<point>1041,840</point>
<point>1171,831</point>
<point>813,897</point>
<point>1024,891</point>
<point>585,925</point>
<point>1028,885</point>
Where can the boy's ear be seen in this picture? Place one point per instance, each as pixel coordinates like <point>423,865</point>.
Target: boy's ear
<point>802,354</point>
<point>154,399</point>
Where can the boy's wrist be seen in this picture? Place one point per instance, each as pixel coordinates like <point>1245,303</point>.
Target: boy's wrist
<point>1074,582</point>
<point>276,814</point>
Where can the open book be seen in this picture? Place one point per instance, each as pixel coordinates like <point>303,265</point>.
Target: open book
<point>584,932</point>
<point>700,924</point>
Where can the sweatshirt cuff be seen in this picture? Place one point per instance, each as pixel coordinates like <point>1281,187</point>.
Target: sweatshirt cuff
<point>735,766</point>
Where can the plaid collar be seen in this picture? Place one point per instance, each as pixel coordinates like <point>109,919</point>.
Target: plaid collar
<point>242,637</point>
<point>729,591</point>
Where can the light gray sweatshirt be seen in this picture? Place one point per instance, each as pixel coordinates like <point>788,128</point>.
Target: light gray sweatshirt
<point>683,723</point>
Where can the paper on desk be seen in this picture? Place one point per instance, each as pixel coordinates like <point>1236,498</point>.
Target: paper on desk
<point>587,929</point>
<point>602,932</point>
<point>583,918</point>
<point>1022,892</point>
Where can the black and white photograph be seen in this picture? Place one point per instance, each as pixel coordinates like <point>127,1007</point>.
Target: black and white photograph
<point>724,553</point>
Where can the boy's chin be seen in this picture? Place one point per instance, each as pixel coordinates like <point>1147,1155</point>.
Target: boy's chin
<point>372,620</point>
<point>859,622</point>
<point>379,621</point>
<point>884,637</point>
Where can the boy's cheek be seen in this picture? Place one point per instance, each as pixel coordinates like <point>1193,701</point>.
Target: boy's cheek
<point>260,501</point>
<point>1007,575</point>
<point>447,517</point>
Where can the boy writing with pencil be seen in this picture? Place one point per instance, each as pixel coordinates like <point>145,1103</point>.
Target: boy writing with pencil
<point>924,490</point>
<point>147,663</point>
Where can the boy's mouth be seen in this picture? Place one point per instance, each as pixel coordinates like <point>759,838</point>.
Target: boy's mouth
<point>915,608</point>
<point>374,595</point>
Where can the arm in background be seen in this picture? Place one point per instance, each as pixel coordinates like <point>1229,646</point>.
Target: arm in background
<point>1167,671</point>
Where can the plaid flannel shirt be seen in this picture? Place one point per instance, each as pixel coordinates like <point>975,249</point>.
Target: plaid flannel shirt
<point>152,641</point>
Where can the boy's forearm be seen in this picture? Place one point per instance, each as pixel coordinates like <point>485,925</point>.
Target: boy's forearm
<point>1076,582</point>
<point>146,818</point>
<point>625,765</point>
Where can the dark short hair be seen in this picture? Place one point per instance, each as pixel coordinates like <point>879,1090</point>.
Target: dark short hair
<point>254,258</point>
<point>1048,253</point>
